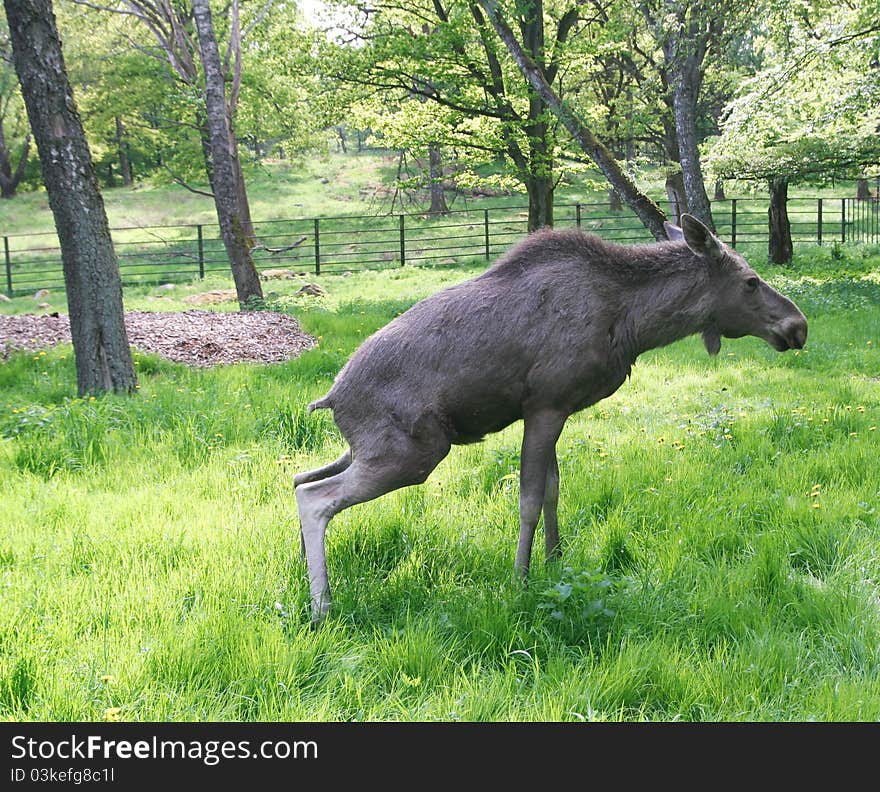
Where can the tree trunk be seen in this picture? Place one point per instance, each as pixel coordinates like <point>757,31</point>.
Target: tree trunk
<point>540,192</point>
<point>435,177</point>
<point>675,193</point>
<point>9,178</point>
<point>719,191</point>
<point>614,203</point>
<point>247,224</point>
<point>91,273</point>
<point>646,210</point>
<point>539,180</point>
<point>122,154</point>
<point>863,192</point>
<point>780,247</point>
<point>684,107</point>
<point>234,218</point>
<point>207,152</point>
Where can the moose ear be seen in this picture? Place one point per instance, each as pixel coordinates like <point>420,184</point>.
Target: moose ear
<point>712,340</point>
<point>699,238</point>
<point>673,232</point>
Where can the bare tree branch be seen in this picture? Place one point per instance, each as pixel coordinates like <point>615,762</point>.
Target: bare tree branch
<point>182,183</point>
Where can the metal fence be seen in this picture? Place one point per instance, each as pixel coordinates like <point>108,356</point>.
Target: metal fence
<point>158,254</point>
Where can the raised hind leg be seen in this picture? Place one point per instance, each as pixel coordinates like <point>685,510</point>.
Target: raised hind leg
<point>366,478</point>
<point>324,472</point>
<point>316,475</point>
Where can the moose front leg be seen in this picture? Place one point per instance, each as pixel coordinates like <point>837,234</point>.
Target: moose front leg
<point>551,500</point>
<point>538,454</point>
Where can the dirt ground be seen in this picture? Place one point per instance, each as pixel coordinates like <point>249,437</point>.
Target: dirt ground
<point>197,338</point>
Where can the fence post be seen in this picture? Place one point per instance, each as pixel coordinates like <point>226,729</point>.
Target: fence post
<point>201,243</point>
<point>733,222</point>
<point>402,243</point>
<point>819,221</point>
<point>843,220</point>
<point>317,247</point>
<point>8,266</point>
<point>577,214</point>
<point>486,230</point>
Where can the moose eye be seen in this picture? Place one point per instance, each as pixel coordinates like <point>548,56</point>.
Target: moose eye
<point>752,284</point>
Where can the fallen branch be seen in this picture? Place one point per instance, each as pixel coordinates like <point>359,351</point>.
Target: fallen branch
<point>276,251</point>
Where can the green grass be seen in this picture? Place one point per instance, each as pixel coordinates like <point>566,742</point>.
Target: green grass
<point>721,538</point>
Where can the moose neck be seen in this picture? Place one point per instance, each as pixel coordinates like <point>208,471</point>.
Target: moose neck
<point>667,307</point>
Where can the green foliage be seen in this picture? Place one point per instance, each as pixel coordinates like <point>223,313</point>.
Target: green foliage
<point>811,114</point>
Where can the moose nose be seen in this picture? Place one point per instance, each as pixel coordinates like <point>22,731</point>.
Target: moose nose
<point>797,334</point>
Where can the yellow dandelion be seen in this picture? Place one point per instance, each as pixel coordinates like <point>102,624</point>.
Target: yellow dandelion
<point>817,505</point>
<point>853,434</point>
<point>872,428</point>
<point>106,678</point>
<point>861,408</point>
<point>112,713</point>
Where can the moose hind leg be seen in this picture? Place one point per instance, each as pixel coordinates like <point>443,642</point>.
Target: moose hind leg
<point>324,472</point>
<point>363,480</point>
<point>551,501</point>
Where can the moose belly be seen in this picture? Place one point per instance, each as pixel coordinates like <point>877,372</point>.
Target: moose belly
<point>472,422</point>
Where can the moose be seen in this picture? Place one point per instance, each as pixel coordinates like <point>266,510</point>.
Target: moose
<point>554,326</point>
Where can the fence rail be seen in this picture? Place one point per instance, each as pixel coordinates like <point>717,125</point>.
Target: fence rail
<point>157,254</point>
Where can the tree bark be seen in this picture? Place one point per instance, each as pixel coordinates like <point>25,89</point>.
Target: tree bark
<point>780,246</point>
<point>540,192</point>
<point>122,154</point>
<point>646,210</point>
<point>233,217</point>
<point>614,203</point>
<point>719,191</point>
<point>11,177</point>
<point>863,192</point>
<point>539,182</point>
<point>435,178</point>
<point>684,107</point>
<point>91,273</point>
<point>675,193</point>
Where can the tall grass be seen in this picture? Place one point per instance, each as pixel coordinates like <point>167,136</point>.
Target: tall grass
<point>719,519</point>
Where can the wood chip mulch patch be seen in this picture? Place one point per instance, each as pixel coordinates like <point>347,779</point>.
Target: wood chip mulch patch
<point>197,338</point>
